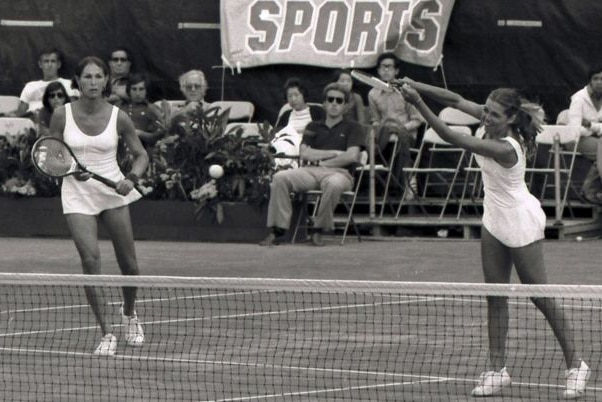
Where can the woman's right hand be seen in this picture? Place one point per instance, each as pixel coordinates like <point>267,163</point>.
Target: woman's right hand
<point>82,176</point>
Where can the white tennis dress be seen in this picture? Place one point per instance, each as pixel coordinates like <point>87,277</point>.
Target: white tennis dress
<point>98,153</point>
<point>510,212</point>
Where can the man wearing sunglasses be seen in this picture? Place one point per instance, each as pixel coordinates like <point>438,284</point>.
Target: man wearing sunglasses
<point>120,64</point>
<point>329,149</point>
<point>50,63</point>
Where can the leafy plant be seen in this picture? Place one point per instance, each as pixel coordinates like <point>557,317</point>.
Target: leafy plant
<point>18,177</point>
<point>195,141</point>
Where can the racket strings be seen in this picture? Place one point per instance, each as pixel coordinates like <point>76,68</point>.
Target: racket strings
<point>53,158</point>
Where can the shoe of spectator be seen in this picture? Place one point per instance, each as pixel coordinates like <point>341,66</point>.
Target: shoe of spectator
<point>107,346</point>
<point>576,379</point>
<point>269,241</point>
<point>492,382</point>
<point>316,239</point>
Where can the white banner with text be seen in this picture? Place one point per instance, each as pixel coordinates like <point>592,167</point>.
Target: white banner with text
<point>332,33</point>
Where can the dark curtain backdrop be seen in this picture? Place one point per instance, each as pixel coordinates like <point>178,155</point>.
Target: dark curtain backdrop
<point>547,63</point>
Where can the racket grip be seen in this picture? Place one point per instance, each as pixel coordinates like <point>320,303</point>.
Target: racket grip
<point>104,180</point>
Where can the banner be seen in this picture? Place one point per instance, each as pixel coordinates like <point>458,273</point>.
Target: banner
<point>332,33</point>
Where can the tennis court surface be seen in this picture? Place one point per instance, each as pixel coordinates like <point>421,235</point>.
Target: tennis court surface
<point>367,321</point>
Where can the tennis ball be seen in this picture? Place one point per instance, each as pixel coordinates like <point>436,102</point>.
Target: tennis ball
<point>579,238</point>
<point>216,171</point>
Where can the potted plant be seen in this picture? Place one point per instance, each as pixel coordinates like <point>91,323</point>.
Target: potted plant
<point>180,163</point>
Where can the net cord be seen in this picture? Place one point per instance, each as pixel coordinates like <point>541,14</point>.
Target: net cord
<point>307,285</point>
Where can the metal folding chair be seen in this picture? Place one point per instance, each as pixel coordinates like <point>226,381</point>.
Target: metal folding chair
<point>438,164</point>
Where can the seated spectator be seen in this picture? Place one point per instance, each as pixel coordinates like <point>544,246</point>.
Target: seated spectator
<point>391,116</point>
<point>145,116</point>
<point>291,125</point>
<point>54,96</point>
<point>356,110</point>
<point>300,113</point>
<point>50,62</point>
<point>193,85</point>
<point>120,64</point>
<point>585,111</point>
<point>331,147</point>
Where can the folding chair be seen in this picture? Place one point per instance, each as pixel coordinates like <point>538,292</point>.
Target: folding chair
<point>559,163</point>
<point>287,107</point>
<point>436,170</point>
<point>455,117</point>
<point>248,129</point>
<point>8,103</point>
<point>348,200</point>
<point>563,118</point>
<point>239,110</point>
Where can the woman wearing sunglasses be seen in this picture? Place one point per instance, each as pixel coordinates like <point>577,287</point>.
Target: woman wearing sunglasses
<point>54,96</point>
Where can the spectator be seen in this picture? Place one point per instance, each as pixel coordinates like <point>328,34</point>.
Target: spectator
<point>356,110</point>
<point>332,146</point>
<point>120,64</point>
<point>391,116</point>
<point>585,111</point>
<point>146,116</point>
<point>193,85</point>
<point>291,124</point>
<point>50,62</point>
<point>55,95</point>
<point>300,113</point>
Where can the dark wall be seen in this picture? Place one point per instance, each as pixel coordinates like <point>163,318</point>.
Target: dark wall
<point>548,63</point>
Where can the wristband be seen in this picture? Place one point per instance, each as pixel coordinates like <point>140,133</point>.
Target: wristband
<point>133,177</point>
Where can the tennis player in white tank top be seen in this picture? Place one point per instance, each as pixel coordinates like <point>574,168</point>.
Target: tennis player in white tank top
<point>509,124</point>
<point>92,126</point>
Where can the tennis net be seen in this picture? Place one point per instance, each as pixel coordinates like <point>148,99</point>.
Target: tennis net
<point>231,339</point>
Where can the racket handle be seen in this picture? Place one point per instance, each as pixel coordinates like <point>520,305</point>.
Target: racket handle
<point>104,180</point>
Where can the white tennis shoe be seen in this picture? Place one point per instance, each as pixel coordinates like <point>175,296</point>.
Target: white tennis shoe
<point>576,379</point>
<point>492,382</point>
<point>107,346</point>
<point>134,334</point>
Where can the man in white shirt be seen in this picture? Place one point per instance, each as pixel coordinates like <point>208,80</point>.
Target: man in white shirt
<point>31,96</point>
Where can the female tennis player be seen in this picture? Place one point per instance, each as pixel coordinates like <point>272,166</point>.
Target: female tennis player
<point>91,127</point>
<point>513,220</point>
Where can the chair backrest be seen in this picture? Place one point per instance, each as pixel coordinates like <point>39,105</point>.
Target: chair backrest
<point>248,129</point>
<point>563,118</point>
<point>565,134</point>
<point>431,136</point>
<point>457,117</point>
<point>8,103</point>
<point>286,107</point>
<point>239,110</point>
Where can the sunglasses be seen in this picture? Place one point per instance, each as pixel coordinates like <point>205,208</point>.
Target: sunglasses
<point>333,99</point>
<point>58,95</point>
<point>119,59</point>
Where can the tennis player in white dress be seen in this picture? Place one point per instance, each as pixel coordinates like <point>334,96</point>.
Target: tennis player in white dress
<point>513,220</point>
<point>92,127</point>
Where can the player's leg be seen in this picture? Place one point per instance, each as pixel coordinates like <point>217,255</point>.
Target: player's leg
<point>118,223</point>
<point>530,266</point>
<point>84,230</point>
<point>497,267</point>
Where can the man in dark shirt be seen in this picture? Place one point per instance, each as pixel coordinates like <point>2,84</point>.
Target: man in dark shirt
<point>330,148</point>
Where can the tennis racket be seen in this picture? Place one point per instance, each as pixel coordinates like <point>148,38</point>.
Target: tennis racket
<point>372,81</point>
<point>53,157</point>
